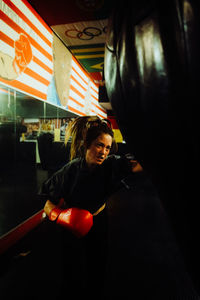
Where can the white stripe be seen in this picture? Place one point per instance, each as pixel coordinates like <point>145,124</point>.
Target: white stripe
<point>5,48</point>
<point>11,33</point>
<point>21,6</point>
<point>98,107</point>
<point>19,21</point>
<point>42,57</point>
<point>104,116</point>
<point>78,87</point>
<point>79,79</point>
<point>33,83</point>
<point>98,110</point>
<point>95,109</point>
<point>103,113</point>
<point>94,99</point>
<point>20,90</point>
<point>78,69</point>
<point>94,93</point>
<point>39,70</point>
<point>101,109</point>
<point>92,113</point>
<point>75,105</point>
<point>76,97</point>
<point>94,86</point>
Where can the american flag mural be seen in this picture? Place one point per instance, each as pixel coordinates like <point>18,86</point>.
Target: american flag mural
<point>26,59</point>
<point>83,93</point>
<point>25,49</point>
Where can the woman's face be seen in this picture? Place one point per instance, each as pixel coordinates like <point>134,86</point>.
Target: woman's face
<point>98,150</point>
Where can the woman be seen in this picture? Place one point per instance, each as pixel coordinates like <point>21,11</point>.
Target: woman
<point>85,183</point>
<point>91,175</point>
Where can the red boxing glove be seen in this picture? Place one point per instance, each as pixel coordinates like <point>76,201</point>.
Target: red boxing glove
<point>78,221</point>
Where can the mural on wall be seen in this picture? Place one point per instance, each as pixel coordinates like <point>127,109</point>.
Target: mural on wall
<point>34,61</point>
<point>83,93</point>
<point>26,61</point>
<point>71,86</point>
<point>12,67</point>
<point>80,23</point>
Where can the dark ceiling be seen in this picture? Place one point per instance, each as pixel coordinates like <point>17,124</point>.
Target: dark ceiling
<point>81,25</point>
<point>70,11</point>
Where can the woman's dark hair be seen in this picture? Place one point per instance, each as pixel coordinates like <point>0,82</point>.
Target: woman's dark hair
<point>84,130</point>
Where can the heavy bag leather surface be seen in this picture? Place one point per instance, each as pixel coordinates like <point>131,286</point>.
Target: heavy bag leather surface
<point>152,80</point>
<point>151,73</point>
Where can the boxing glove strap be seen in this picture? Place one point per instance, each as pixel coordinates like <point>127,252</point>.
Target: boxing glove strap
<point>99,210</point>
<point>55,212</point>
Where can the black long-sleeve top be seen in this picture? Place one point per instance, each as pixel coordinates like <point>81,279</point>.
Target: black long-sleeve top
<point>83,187</point>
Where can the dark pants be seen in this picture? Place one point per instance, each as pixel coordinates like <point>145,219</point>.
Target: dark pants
<point>84,260</point>
<point>95,245</point>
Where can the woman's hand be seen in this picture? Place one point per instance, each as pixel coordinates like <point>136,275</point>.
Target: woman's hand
<point>48,207</point>
<point>136,167</point>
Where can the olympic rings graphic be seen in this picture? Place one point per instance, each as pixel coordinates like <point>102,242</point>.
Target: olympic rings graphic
<point>88,33</point>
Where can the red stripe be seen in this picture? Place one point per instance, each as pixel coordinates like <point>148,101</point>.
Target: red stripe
<point>6,39</point>
<point>94,90</point>
<point>79,75</point>
<point>95,84</point>
<point>21,15</point>
<point>41,64</point>
<point>36,76</point>
<point>70,108</point>
<point>95,98</point>
<point>98,114</point>
<point>18,29</point>
<point>76,91</point>
<point>10,238</point>
<point>98,107</point>
<point>74,100</point>
<point>80,67</point>
<point>37,15</point>
<point>101,116</point>
<point>25,88</point>
<point>72,77</point>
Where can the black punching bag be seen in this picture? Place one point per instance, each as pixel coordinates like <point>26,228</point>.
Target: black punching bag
<point>152,64</point>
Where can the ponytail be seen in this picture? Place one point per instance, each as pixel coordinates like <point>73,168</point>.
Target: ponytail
<point>84,130</point>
